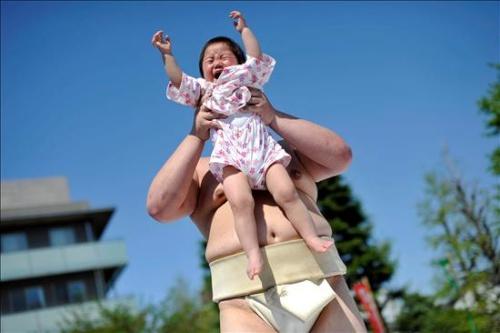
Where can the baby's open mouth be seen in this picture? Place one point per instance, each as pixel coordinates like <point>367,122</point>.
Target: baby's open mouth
<point>217,72</point>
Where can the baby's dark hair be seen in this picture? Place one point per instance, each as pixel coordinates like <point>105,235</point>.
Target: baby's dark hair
<point>235,48</point>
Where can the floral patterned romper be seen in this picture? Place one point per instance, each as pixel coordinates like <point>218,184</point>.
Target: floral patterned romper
<point>244,141</point>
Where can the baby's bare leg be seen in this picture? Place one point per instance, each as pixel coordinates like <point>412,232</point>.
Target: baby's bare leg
<point>284,193</point>
<point>239,195</point>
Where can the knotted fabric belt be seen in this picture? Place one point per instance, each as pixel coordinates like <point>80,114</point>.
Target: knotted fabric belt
<point>285,262</point>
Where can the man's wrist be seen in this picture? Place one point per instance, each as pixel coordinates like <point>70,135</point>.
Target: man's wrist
<point>273,123</point>
<point>278,118</point>
<point>197,136</point>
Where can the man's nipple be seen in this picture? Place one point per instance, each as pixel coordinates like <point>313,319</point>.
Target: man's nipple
<point>295,174</point>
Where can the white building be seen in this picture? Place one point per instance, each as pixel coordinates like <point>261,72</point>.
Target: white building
<point>52,258</point>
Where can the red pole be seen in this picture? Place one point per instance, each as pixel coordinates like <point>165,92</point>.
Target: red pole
<point>365,296</point>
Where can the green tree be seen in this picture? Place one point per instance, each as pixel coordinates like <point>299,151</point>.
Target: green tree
<point>490,106</point>
<point>181,311</point>
<point>422,314</point>
<point>353,234</point>
<point>120,318</point>
<point>414,312</point>
<point>186,312</point>
<point>463,228</point>
<point>463,222</point>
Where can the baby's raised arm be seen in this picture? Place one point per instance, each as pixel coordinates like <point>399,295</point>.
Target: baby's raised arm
<point>250,42</point>
<point>164,45</point>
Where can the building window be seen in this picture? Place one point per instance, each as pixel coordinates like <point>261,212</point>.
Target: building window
<point>76,291</point>
<point>62,236</point>
<point>14,242</point>
<point>89,234</point>
<point>34,297</point>
<point>22,299</point>
<point>61,293</point>
<point>18,300</point>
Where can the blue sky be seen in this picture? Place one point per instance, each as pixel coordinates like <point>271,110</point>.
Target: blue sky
<point>82,96</point>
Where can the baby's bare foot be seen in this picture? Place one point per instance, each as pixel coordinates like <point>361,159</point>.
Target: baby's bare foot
<point>318,244</point>
<point>255,264</point>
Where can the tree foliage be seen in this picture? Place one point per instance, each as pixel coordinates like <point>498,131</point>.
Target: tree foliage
<point>180,312</point>
<point>413,314</point>
<point>421,314</point>
<point>490,106</point>
<point>463,223</point>
<point>353,234</point>
<point>464,230</point>
<point>120,318</point>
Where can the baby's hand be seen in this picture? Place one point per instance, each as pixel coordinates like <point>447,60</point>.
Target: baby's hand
<point>163,45</point>
<point>239,22</point>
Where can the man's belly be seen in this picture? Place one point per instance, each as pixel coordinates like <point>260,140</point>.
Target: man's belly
<point>272,227</point>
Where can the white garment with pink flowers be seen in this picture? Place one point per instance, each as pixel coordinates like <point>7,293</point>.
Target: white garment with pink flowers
<point>244,141</point>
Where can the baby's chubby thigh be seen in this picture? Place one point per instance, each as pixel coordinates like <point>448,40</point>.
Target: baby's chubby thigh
<point>280,185</point>
<point>237,190</point>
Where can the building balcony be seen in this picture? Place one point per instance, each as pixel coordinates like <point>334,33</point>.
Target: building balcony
<point>51,319</point>
<point>62,259</point>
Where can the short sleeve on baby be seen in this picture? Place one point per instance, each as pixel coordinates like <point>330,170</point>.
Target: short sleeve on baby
<point>189,91</point>
<point>261,67</point>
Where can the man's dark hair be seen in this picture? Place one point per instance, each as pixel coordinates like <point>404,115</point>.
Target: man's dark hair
<point>235,48</point>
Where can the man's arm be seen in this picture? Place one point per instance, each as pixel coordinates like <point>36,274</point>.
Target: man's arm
<point>174,189</point>
<point>173,192</point>
<point>250,42</point>
<point>322,152</point>
<point>164,45</point>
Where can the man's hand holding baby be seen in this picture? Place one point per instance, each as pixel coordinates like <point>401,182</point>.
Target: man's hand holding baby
<point>259,104</point>
<point>203,121</point>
